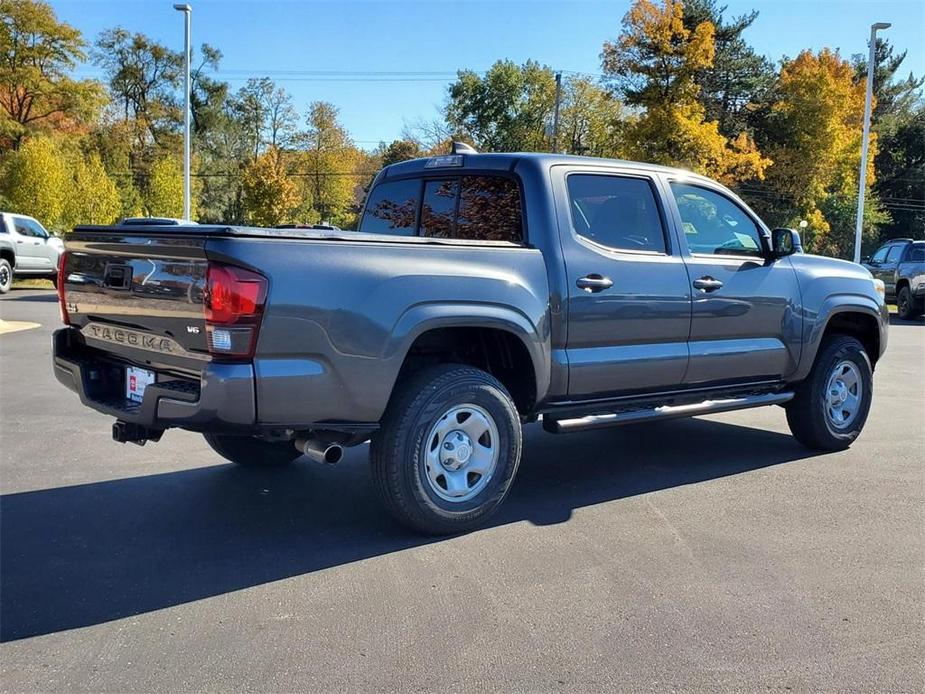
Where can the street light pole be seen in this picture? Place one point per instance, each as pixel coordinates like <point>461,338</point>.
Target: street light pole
<point>865,139</point>
<point>187,12</point>
<point>555,122</point>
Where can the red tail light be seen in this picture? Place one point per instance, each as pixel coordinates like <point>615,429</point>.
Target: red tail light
<point>62,274</point>
<point>233,307</point>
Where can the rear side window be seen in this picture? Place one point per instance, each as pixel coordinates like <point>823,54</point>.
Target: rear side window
<point>392,208</point>
<point>616,211</point>
<point>916,254</point>
<point>475,208</point>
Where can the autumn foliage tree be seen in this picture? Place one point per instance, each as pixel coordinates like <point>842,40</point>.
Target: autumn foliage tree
<point>35,180</point>
<point>270,196</point>
<point>36,92</point>
<point>654,64</point>
<point>816,124</point>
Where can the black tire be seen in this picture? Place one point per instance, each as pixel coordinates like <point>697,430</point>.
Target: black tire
<point>906,306</point>
<point>6,276</point>
<point>399,452</point>
<point>250,451</point>
<point>54,281</point>
<point>808,412</point>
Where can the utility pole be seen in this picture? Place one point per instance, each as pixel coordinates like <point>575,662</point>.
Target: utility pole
<point>555,121</point>
<point>187,12</point>
<point>865,140</point>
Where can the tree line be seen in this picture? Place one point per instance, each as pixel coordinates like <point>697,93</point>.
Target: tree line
<point>679,85</point>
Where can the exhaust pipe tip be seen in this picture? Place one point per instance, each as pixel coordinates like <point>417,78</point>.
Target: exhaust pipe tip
<point>328,453</point>
<point>333,454</point>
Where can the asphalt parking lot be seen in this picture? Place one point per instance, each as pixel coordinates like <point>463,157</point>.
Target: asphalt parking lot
<point>702,554</point>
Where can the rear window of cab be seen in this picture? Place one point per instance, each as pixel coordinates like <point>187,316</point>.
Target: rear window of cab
<point>473,208</point>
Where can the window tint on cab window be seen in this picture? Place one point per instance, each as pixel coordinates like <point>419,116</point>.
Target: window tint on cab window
<point>392,208</point>
<point>619,212</point>
<point>489,209</point>
<point>713,224</point>
<point>438,210</point>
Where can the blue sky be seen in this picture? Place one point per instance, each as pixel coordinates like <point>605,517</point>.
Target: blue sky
<point>300,43</point>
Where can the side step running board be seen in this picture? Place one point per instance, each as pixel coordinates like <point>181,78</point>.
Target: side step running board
<point>613,419</point>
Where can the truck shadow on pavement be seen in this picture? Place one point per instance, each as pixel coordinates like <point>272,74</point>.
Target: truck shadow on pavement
<point>83,555</point>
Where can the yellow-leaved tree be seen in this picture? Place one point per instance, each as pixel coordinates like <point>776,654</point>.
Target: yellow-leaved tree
<point>816,123</point>
<point>654,63</point>
<point>269,196</point>
<point>92,197</point>
<point>163,194</point>
<point>35,181</point>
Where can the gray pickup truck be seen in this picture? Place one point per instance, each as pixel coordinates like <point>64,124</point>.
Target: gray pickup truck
<point>481,292</point>
<point>900,265</point>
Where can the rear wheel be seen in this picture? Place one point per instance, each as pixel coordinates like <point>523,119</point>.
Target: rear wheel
<point>832,404</point>
<point>251,451</point>
<point>906,306</point>
<point>6,276</point>
<point>448,449</point>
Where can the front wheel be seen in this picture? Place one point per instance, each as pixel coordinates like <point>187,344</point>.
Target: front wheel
<point>447,451</point>
<point>906,306</point>
<point>831,406</point>
<point>6,276</point>
<point>250,451</point>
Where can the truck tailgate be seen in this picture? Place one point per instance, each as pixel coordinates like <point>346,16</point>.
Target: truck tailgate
<point>139,294</point>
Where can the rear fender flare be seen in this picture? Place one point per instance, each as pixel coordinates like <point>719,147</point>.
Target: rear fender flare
<point>425,317</point>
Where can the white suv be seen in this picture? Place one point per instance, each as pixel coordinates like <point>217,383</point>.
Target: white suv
<point>26,250</point>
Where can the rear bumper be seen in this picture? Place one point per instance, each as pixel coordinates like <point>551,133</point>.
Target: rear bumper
<point>221,399</point>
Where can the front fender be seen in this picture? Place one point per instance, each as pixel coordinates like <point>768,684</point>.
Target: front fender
<point>816,322</point>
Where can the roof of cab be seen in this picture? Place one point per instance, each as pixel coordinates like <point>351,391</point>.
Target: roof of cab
<point>509,160</point>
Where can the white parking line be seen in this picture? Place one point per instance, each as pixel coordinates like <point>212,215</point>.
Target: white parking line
<point>12,326</point>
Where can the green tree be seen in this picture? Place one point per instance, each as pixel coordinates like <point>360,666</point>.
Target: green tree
<point>36,179</point>
<point>591,120</point>
<point>328,161</point>
<point>899,121</point>
<point>36,92</point>
<point>143,77</point>
<point>655,63</point>
<point>270,197</point>
<point>506,110</point>
<point>266,114</point>
<point>399,150</point>
<point>735,89</point>
<point>900,183</point>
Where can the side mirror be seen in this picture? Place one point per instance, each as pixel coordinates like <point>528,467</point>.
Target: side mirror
<point>865,259</point>
<point>785,242</point>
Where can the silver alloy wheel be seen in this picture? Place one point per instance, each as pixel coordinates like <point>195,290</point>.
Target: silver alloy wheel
<point>843,394</point>
<point>5,276</point>
<point>461,453</point>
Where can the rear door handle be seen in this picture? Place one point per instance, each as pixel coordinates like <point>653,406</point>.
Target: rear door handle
<point>707,284</point>
<point>594,283</point>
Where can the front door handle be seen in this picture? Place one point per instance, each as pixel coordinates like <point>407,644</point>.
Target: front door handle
<point>594,283</point>
<point>707,284</point>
